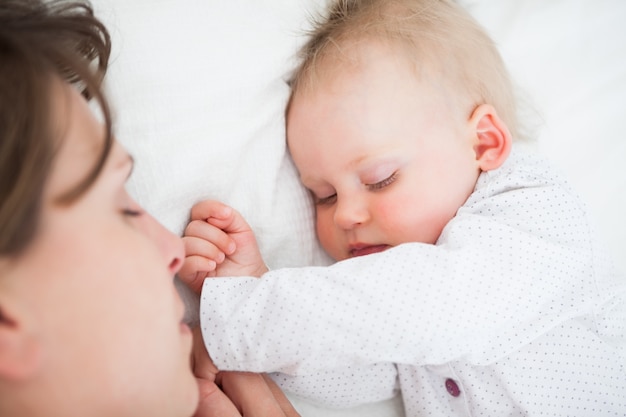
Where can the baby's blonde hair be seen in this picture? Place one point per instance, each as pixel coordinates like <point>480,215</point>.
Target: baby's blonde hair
<point>440,38</point>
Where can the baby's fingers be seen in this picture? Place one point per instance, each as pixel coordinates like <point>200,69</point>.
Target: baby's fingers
<point>194,270</point>
<point>200,230</point>
<point>195,246</point>
<point>211,209</point>
<point>220,215</point>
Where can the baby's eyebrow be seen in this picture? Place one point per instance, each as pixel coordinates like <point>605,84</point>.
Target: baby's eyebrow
<point>373,162</point>
<point>308,180</point>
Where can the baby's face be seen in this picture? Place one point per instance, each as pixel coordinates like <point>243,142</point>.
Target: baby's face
<point>388,159</point>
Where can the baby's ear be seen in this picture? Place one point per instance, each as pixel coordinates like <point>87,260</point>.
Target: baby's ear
<point>492,140</point>
<point>19,352</point>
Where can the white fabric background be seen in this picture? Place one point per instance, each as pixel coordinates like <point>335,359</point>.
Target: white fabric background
<point>569,59</point>
<point>198,88</point>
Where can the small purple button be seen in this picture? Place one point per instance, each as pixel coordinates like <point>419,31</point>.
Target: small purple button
<point>452,387</point>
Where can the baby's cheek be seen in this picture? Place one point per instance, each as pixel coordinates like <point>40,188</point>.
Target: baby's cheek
<point>407,220</point>
<point>326,233</point>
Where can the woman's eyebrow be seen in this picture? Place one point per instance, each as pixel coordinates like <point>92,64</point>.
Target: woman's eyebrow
<point>126,162</point>
<point>131,161</point>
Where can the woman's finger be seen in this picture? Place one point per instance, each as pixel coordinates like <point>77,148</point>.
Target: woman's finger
<point>213,402</point>
<point>252,395</point>
<point>280,397</point>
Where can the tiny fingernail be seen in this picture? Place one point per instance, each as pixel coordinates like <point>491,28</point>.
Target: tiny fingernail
<point>231,247</point>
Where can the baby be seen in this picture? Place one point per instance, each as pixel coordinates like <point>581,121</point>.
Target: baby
<point>467,272</point>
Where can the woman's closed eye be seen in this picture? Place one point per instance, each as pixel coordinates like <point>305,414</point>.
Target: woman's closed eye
<point>132,212</point>
<point>384,183</point>
<point>128,206</point>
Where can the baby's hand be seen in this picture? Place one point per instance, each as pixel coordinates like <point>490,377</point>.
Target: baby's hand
<point>218,242</point>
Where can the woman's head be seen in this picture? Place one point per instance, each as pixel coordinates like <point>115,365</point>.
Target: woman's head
<point>40,43</point>
<point>90,321</point>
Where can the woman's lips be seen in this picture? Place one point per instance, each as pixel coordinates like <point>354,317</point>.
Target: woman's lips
<point>362,250</point>
<point>184,328</point>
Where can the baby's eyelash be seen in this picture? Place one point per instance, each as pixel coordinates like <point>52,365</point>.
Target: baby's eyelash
<point>326,200</point>
<point>331,199</point>
<point>384,183</point>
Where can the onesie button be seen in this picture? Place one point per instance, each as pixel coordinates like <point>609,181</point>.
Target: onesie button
<point>452,387</point>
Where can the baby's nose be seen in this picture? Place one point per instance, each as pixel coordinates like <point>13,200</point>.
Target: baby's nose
<point>351,212</point>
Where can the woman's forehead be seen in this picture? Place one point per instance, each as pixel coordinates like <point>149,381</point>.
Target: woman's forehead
<point>80,139</point>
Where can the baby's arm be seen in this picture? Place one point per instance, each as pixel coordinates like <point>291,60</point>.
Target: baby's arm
<point>218,242</point>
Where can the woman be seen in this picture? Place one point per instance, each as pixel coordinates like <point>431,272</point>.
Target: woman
<point>90,322</point>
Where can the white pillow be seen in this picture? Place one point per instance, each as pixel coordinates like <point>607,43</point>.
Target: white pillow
<point>200,91</point>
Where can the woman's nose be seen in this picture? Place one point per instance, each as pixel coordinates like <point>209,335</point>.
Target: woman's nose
<point>350,212</point>
<point>170,246</point>
<point>177,253</point>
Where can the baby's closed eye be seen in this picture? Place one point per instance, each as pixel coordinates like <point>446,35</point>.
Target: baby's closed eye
<point>383,183</point>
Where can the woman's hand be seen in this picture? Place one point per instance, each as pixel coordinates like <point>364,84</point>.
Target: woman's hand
<point>218,242</point>
<point>235,394</point>
<point>242,394</point>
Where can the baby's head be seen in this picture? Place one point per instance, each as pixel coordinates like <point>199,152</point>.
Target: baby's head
<point>397,107</point>
<point>441,41</point>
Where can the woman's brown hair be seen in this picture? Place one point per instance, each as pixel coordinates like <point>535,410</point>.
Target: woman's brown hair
<point>42,42</point>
